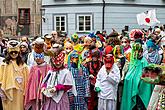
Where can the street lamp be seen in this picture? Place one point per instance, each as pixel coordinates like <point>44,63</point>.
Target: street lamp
<point>42,14</point>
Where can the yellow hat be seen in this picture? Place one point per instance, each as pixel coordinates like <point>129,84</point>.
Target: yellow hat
<point>13,45</point>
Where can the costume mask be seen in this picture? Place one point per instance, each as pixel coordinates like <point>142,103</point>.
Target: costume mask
<point>95,55</point>
<point>13,48</point>
<point>108,57</point>
<point>108,61</point>
<point>68,47</point>
<point>74,60</point>
<point>74,38</point>
<point>13,45</point>
<point>39,45</point>
<point>58,61</point>
<point>136,51</point>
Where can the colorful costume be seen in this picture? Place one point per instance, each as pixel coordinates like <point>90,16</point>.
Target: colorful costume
<point>107,82</point>
<point>93,67</point>
<point>152,56</point>
<point>60,80</point>
<point>75,41</point>
<point>13,79</point>
<point>81,77</point>
<point>33,96</point>
<point>135,91</point>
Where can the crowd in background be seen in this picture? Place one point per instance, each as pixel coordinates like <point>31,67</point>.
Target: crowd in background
<point>94,71</point>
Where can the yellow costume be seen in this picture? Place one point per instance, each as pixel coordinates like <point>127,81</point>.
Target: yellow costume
<point>13,80</point>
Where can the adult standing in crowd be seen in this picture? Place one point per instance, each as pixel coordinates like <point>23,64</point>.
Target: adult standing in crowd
<point>24,51</point>
<point>13,78</point>
<point>136,93</point>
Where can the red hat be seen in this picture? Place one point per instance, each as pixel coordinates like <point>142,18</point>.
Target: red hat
<point>108,49</point>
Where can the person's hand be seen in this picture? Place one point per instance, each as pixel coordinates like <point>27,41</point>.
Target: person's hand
<point>97,89</point>
<point>91,76</point>
<point>52,90</point>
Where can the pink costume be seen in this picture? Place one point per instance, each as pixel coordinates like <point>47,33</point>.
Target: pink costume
<point>33,97</point>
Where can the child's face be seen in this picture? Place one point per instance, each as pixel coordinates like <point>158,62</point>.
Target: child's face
<point>39,60</point>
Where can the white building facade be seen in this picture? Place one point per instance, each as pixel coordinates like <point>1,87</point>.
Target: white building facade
<point>84,16</point>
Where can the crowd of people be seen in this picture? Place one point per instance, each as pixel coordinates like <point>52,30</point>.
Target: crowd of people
<point>97,71</point>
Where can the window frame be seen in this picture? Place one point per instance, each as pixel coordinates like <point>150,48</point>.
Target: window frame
<point>65,21</point>
<point>84,25</point>
<point>24,19</point>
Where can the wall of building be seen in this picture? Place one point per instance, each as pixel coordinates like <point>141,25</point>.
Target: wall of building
<point>9,17</point>
<point>147,2</point>
<point>118,13</point>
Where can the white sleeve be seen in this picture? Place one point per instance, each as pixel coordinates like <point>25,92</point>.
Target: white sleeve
<point>114,75</point>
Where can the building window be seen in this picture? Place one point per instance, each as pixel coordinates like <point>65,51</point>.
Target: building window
<point>24,16</point>
<point>60,23</point>
<point>84,23</point>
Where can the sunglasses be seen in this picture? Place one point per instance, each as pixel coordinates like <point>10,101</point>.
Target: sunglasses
<point>14,52</point>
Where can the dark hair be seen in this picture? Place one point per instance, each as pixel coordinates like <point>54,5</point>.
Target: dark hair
<point>8,58</point>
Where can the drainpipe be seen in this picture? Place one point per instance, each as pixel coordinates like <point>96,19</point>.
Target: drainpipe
<point>103,14</point>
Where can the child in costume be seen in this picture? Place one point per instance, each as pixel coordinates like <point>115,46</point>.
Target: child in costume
<point>68,47</point>
<point>119,57</point>
<point>126,47</point>
<point>85,53</point>
<point>93,67</point>
<point>13,78</point>
<point>107,82</point>
<point>33,96</point>
<point>151,54</point>
<point>75,41</point>
<point>81,77</point>
<point>57,82</point>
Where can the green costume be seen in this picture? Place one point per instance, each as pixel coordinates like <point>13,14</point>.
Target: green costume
<point>134,86</point>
